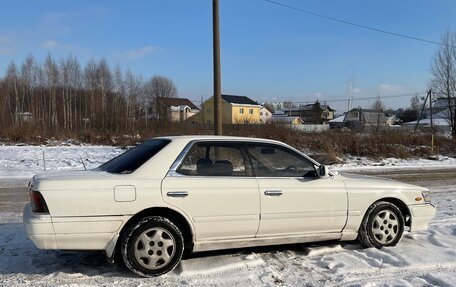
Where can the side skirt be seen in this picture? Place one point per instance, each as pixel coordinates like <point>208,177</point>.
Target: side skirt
<point>265,241</point>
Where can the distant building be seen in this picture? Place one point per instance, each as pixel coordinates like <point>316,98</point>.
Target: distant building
<point>337,122</point>
<point>312,113</point>
<point>440,120</point>
<point>288,120</point>
<point>235,110</point>
<point>179,109</point>
<point>265,115</point>
<point>24,116</point>
<point>360,118</point>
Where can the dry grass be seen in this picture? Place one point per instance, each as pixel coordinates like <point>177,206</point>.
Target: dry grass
<point>328,147</point>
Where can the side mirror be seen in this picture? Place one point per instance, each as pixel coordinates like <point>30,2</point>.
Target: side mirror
<point>323,171</point>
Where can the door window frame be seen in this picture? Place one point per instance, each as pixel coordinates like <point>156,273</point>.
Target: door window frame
<point>244,150</point>
<point>311,163</point>
<point>174,170</point>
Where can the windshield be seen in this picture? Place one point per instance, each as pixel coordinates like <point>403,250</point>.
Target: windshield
<point>133,158</point>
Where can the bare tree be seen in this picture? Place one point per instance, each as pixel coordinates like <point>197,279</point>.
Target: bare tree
<point>119,92</point>
<point>62,96</point>
<point>52,74</point>
<point>159,88</point>
<point>378,107</point>
<point>415,103</point>
<point>443,69</point>
<point>28,77</point>
<point>75,95</point>
<point>12,81</point>
<point>413,112</point>
<point>133,88</point>
<point>90,84</point>
<point>105,85</point>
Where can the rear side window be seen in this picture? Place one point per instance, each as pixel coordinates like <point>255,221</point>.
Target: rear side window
<point>132,159</point>
<point>215,159</point>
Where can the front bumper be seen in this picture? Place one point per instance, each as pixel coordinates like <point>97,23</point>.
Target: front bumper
<point>421,216</point>
<point>39,229</point>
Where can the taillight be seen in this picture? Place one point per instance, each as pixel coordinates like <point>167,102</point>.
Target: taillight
<point>38,203</point>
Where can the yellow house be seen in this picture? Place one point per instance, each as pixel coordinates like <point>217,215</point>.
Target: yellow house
<point>235,110</point>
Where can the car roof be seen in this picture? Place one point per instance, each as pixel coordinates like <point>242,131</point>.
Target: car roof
<point>218,138</point>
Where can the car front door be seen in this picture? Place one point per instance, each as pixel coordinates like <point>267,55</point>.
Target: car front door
<point>214,186</point>
<point>294,199</point>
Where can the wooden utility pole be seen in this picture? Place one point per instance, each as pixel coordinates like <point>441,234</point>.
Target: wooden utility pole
<point>422,111</point>
<point>217,77</point>
<point>432,121</point>
<point>431,117</point>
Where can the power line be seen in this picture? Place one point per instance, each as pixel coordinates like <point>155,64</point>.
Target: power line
<point>359,99</point>
<point>358,25</point>
<point>354,99</point>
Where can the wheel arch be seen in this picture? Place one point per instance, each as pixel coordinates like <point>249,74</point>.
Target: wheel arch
<point>176,217</point>
<point>403,208</point>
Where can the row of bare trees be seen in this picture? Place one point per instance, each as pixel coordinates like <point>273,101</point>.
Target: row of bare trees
<point>443,70</point>
<point>63,95</point>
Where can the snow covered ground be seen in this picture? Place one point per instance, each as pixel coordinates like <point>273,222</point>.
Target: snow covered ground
<point>18,162</point>
<point>389,164</point>
<point>421,259</point>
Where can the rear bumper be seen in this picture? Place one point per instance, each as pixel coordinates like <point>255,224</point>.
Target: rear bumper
<point>39,228</point>
<point>72,233</point>
<point>421,216</point>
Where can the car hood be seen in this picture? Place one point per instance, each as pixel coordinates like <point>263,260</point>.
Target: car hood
<point>373,182</point>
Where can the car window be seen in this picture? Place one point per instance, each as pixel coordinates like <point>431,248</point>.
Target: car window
<point>215,159</point>
<point>133,158</point>
<point>277,161</point>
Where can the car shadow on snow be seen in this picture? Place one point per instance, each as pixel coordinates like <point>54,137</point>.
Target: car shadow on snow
<point>18,254</point>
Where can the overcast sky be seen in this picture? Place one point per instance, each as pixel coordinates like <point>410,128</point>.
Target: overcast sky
<point>269,53</point>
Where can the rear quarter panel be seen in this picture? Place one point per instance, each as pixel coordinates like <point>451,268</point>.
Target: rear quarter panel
<point>72,198</point>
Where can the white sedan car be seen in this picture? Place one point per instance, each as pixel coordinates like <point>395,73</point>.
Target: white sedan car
<point>202,193</point>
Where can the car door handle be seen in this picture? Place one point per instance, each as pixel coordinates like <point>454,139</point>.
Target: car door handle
<point>177,194</point>
<point>273,192</point>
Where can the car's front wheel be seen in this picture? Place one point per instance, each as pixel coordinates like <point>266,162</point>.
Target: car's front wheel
<point>383,225</point>
<point>152,247</point>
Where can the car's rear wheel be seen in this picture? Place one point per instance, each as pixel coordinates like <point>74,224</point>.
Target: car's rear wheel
<point>383,225</point>
<point>152,247</point>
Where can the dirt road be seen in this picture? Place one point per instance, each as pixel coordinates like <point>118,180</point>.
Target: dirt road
<point>426,178</point>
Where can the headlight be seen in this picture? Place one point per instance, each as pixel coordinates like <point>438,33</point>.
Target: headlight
<point>426,196</point>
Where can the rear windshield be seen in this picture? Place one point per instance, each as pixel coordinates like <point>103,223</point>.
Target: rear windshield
<point>132,159</point>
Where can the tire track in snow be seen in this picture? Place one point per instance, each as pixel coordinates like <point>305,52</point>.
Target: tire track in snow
<point>394,273</point>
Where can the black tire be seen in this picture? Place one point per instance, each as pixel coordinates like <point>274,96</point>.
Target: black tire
<point>152,247</point>
<point>382,225</point>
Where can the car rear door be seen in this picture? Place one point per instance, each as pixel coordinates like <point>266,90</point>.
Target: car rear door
<point>214,186</point>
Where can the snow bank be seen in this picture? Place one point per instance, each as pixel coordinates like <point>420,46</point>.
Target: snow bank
<point>25,161</point>
<point>364,164</point>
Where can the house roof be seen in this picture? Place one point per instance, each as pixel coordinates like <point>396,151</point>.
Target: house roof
<point>310,107</point>
<point>339,119</point>
<point>241,100</point>
<point>367,110</point>
<point>427,122</point>
<point>176,102</point>
<point>324,107</point>
<point>285,119</point>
